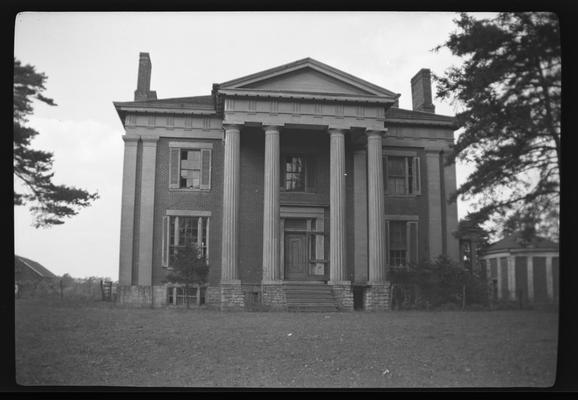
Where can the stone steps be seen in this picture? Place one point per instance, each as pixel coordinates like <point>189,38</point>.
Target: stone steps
<point>310,298</point>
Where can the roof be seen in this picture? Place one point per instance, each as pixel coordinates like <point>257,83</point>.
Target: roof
<point>401,115</point>
<point>193,102</point>
<point>515,242</point>
<point>33,266</point>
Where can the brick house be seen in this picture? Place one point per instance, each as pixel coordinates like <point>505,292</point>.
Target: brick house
<point>298,182</point>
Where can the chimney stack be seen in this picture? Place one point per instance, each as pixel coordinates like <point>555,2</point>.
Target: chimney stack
<point>143,86</point>
<point>421,91</point>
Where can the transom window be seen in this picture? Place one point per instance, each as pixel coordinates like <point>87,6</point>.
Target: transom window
<point>401,174</point>
<point>181,231</point>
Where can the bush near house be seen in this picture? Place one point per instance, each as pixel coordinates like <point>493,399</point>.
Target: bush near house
<point>441,284</point>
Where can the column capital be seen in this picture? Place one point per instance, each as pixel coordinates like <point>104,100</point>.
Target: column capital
<point>130,140</point>
<point>232,127</point>
<point>336,131</point>
<point>149,141</point>
<point>271,129</point>
<point>376,132</point>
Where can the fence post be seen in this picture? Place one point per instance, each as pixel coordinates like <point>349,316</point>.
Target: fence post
<point>463,297</point>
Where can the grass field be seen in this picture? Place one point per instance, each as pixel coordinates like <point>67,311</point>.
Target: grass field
<point>102,345</point>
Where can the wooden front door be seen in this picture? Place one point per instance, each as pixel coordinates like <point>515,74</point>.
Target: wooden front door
<point>295,256</point>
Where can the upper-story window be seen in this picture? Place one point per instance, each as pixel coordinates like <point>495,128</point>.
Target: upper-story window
<point>190,165</point>
<point>294,173</point>
<point>401,174</point>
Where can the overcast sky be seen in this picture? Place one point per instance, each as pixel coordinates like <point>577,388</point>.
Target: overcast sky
<point>91,60</point>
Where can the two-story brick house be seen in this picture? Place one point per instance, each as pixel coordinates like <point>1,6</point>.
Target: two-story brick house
<point>300,176</point>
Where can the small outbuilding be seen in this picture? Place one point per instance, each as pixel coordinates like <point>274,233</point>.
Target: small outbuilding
<point>28,272</point>
<point>523,270</point>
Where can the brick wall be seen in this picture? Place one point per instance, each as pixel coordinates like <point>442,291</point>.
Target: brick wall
<point>189,200</point>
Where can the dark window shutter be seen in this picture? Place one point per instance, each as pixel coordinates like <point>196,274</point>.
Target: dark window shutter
<point>311,170</point>
<point>165,242</point>
<point>412,242</point>
<point>416,176</point>
<point>205,169</point>
<point>384,160</point>
<point>387,243</point>
<point>174,169</point>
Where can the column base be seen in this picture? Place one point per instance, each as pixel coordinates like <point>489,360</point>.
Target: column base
<point>343,294</point>
<point>232,297</point>
<point>377,297</point>
<point>273,295</point>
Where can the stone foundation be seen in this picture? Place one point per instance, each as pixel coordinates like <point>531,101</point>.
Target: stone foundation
<point>343,295</point>
<point>377,297</point>
<point>232,297</point>
<point>273,296</point>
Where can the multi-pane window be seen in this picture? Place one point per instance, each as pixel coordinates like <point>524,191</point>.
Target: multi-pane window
<point>190,176</point>
<point>402,175</point>
<point>402,243</point>
<point>190,166</point>
<point>182,231</point>
<point>294,173</point>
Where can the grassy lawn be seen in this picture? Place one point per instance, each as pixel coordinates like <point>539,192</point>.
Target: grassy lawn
<point>99,344</point>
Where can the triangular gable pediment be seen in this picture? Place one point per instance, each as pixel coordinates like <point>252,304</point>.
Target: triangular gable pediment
<point>308,76</point>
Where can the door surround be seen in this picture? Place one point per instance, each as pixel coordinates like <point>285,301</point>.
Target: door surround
<point>315,213</point>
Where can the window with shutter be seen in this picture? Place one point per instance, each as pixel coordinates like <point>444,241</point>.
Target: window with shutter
<point>401,174</point>
<point>412,241</point>
<point>190,166</point>
<point>402,242</point>
<point>182,230</point>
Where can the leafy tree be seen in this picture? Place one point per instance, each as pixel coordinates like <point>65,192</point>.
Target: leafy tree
<point>188,268</point>
<point>49,203</point>
<point>508,87</point>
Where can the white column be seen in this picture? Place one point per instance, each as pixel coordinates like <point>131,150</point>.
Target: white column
<point>530,266</point>
<point>127,210</point>
<point>360,216</point>
<point>229,257</point>
<point>434,203</point>
<point>271,217</point>
<point>147,208</point>
<point>337,206</point>
<point>376,211</point>
<point>512,277</point>
<point>549,278</point>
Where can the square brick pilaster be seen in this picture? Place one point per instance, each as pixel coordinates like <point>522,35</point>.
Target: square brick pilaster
<point>232,297</point>
<point>343,294</point>
<point>273,296</point>
<point>377,297</point>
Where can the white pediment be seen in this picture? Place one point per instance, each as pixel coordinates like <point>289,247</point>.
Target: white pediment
<point>307,80</point>
<point>308,76</point>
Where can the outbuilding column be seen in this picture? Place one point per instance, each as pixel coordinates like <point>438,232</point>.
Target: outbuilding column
<point>530,266</point>
<point>337,273</point>
<point>549,279</point>
<point>231,292</point>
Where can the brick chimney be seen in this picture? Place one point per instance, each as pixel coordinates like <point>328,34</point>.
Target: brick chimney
<point>143,85</point>
<point>421,91</point>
